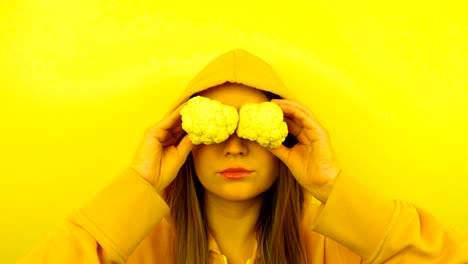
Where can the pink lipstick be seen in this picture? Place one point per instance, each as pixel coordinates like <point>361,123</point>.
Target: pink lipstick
<point>235,173</point>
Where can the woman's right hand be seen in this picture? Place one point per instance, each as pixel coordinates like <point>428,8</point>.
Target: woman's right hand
<point>160,154</point>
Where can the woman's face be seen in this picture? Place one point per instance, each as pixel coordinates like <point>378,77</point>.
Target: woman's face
<point>211,160</point>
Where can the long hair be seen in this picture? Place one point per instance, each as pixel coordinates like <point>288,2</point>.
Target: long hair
<point>278,227</point>
<point>185,198</point>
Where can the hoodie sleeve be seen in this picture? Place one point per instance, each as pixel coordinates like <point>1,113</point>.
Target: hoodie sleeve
<point>108,228</point>
<point>382,230</point>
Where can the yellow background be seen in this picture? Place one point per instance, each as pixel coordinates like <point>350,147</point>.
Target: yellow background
<point>82,80</point>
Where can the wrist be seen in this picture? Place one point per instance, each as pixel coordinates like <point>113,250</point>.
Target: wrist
<point>323,191</point>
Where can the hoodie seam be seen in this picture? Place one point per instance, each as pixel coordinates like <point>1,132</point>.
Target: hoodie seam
<point>235,66</point>
<point>107,241</point>
<point>388,232</point>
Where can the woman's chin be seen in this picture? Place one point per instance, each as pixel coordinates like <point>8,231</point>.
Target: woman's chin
<point>237,194</point>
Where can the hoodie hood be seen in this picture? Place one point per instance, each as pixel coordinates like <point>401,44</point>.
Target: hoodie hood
<point>235,66</point>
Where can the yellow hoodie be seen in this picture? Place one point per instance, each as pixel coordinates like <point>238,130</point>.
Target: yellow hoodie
<point>128,222</point>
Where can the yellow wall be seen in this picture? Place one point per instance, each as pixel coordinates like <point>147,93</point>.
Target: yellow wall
<point>82,80</point>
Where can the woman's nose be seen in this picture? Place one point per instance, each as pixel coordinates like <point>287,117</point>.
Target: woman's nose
<point>235,146</point>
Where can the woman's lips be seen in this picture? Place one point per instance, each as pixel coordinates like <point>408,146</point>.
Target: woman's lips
<point>235,173</point>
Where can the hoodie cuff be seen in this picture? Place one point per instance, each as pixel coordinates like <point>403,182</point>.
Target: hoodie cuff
<point>123,213</point>
<point>355,216</point>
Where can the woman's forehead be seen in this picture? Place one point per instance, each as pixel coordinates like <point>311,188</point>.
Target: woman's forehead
<point>235,94</point>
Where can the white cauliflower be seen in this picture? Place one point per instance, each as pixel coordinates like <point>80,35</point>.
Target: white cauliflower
<point>262,122</point>
<point>208,121</point>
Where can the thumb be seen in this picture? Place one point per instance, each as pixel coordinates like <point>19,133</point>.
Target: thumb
<point>184,147</point>
<point>282,152</point>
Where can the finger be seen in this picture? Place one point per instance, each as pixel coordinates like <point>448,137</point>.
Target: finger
<point>169,125</point>
<point>281,152</point>
<point>296,105</point>
<point>175,134</point>
<point>293,128</point>
<point>172,139</point>
<point>296,115</point>
<point>172,133</point>
<point>184,147</point>
<point>301,116</point>
<point>177,129</point>
<point>171,120</point>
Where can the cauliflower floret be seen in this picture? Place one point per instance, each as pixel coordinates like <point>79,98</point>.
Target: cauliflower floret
<point>262,122</point>
<point>208,121</point>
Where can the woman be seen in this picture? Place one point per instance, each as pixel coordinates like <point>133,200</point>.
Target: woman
<point>293,204</point>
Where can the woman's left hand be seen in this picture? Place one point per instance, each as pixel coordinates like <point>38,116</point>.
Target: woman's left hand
<point>312,160</point>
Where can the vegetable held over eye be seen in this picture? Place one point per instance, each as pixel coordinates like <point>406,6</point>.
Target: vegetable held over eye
<point>262,122</point>
<point>208,121</point>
